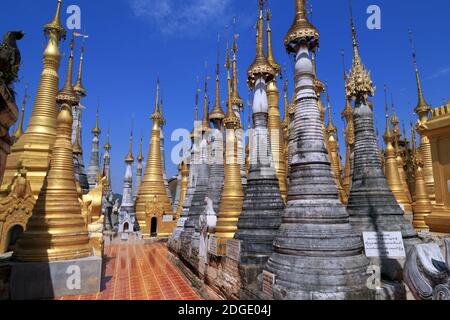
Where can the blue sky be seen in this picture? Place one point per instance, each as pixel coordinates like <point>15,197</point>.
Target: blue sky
<point>131,41</point>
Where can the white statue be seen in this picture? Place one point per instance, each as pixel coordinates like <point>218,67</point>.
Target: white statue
<point>207,223</point>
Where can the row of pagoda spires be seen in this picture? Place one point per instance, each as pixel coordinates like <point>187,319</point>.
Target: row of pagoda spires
<point>43,131</point>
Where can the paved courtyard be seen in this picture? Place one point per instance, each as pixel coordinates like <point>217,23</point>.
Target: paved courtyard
<point>140,272</point>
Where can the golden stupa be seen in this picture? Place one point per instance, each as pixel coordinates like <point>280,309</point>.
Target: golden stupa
<point>422,205</point>
<point>184,185</point>
<point>423,110</point>
<point>56,230</point>
<point>34,148</point>
<point>233,194</point>
<point>391,169</point>
<point>152,206</point>
<point>401,161</point>
<point>333,152</point>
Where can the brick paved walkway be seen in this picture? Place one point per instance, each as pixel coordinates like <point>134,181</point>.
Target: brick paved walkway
<point>140,272</point>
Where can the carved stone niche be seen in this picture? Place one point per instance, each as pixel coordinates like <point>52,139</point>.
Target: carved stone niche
<point>427,271</point>
<point>15,209</point>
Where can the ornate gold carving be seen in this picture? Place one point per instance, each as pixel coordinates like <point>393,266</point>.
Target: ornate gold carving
<point>16,208</point>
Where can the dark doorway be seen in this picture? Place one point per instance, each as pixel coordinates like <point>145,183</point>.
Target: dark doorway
<point>13,235</point>
<point>154,227</point>
<point>126,227</point>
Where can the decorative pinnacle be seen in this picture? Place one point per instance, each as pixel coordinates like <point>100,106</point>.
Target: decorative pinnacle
<point>236,99</point>
<point>107,145</point>
<point>358,83</point>
<point>231,121</point>
<point>205,122</point>
<point>140,157</point>
<point>55,27</point>
<point>388,134</point>
<point>129,157</point>
<point>217,113</point>
<point>78,87</point>
<point>67,94</point>
<point>196,118</point>
<point>301,31</point>
<point>96,131</point>
<point>331,128</point>
<point>422,108</point>
<point>270,55</point>
<point>260,66</point>
<point>157,116</point>
<point>394,119</point>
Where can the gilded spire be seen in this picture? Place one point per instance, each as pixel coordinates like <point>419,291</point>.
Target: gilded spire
<point>217,113</point>
<point>19,131</point>
<point>157,113</point>
<point>67,93</point>
<point>96,131</point>
<point>54,27</point>
<point>140,157</point>
<point>107,145</point>
<point>231,121</point>
<point>205,122</point>
<point>301,30</point>
<point>358,81</point>
<point>331,128</point>
<point>260,66</point>
<point>78,86</point>
<point>194,131</point>
<point>236,99</point>
<point>423,108</point>
<point>270,55</point>
<point>129,157</point>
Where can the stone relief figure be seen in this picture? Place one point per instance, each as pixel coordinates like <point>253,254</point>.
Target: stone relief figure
<point>427,271</point>
<point>10,58</point>
<point>207,223</point>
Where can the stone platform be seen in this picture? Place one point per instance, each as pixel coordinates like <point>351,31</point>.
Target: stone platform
<point>46,280</point>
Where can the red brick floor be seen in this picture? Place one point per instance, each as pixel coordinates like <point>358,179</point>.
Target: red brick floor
<point>140,272</point>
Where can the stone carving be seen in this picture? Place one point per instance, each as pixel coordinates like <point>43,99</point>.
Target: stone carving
<point>10,58</point>
<point>427,271</point>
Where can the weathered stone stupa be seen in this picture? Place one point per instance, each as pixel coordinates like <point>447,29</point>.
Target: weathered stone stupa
<point>263,205</point>
<point>317,255</point>
<point>191,234</point>
<point>372,205</point>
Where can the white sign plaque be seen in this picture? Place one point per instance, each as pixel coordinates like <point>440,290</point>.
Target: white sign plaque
<point>167,218</point>
<point>384,245</point>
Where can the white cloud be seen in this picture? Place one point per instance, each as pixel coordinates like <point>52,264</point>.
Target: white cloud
<point>440,73</point>
<point>182,16</point>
